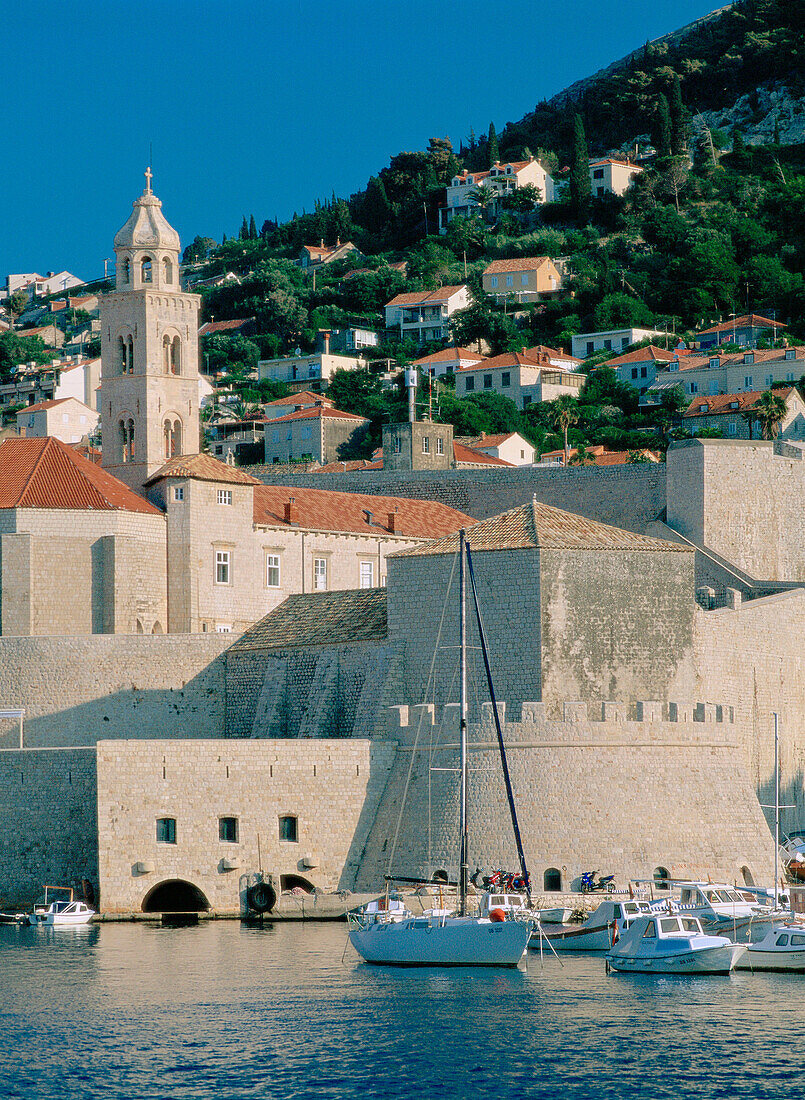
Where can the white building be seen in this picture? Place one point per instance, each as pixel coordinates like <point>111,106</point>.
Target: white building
<point>306,372</point>
<point>65,418</point>
<point>523,378</point>
<point>587,343</point>
<point>511,447</point>
<point>448,361</point>
<point>425,314</point>
<point>612,177</point>
<point>502,179</point>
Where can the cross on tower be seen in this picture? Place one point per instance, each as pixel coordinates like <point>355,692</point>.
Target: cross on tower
<point>148,177</point>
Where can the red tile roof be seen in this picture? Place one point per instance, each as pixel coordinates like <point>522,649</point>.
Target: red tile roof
<point>223,326</point>
<point>648,354</point>
<point>719,404</point>
<point>203,468</point>
<point>318,413</point>
<point>348,466</point>
<point>737,358</point>
<point>40,406</point>
<point>323,510</point>
<point>423,297</point>
<point>467,456</point>
<point>522,263</point>
<point>46,473</point>
<point>754,320</point>
<point>614,160</point>
<point>448,355</point>
<point>301,398</point>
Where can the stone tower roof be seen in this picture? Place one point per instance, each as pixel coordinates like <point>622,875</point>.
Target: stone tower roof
<point>536,525</point>
<point>46,473</point>
<point>147,226</point>
<point>202,467</point>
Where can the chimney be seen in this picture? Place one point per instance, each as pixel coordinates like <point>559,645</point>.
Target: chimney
<point>291,512</point>
<point>325,334</point>
<point>392,522</point>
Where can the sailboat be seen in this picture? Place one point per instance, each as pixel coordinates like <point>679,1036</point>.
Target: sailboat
<point>498,934</point>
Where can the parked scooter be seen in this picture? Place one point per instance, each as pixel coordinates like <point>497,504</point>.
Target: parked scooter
<point>592,885</point>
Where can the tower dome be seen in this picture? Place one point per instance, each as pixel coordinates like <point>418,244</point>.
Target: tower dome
<point>147,226</point>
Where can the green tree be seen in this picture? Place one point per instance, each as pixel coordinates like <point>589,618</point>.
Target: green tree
<point>492,149</point>
<point>232,355</point>
<point>677,113</point>
<point>244,230</point>
<point>16,348</point>
<point>565,413</point>
<point>18,303</point>
<point>620,310</point>
<point>661,135</point>
<point>770,410</point>
<point>580,187</point>
<point>252,229</point>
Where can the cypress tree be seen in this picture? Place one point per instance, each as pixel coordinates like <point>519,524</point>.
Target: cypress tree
<point>678,143</point>
<point>223,238</point>
<point>580,187</point>
<point>492,149</point>
<point>662,128</point>
<point>244,230</point>
<point>252,229</point>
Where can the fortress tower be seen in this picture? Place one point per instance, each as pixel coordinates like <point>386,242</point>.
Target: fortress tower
<point>149,350</point>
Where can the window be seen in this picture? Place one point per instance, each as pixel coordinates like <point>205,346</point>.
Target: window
<point>487,381</point>
<point>650,932</point>
<point>790,353</point>
<point>493,281</point>
<point>178,492</point>
<point>367,574</point>
<point>147,269</point>
<point>222,563</point>
<point>397,445</point>
<point>306,432</point>
<point>732,428</point>
<point>320,574</point>
<point>127,270</point>
<point>797,941</point>
<point>608,345</point>
<point>223,628</point>
<point>749,357</point>
<point>716,362</point>
<point>644,372</point>
<point>289,829</point>
<point>769,379</point>
<point>590,347</point>
<point>167,271</point>
<point>425,444</point>
<point>509,280</point>
<point>506,378</point>
<point>748,381</point>
<point>598,174</point>
<point>524,279</point>
<point>275,436</point>
<point>224,496</point>
<point>228,829</point>
<point>469,383</point>
<point>782,941</point>
<point>272,570</point>
<point>166,830</point>
<point>789,376</point>
<point>439,445</point>
<point>694,387</point>
<point>634,372</point>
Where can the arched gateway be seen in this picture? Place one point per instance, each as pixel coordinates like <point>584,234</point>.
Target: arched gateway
<point>175,896</point>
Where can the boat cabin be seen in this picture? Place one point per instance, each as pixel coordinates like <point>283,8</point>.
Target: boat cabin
<point>717,899</point>
<point>662,927</point>
<point>510,904</point>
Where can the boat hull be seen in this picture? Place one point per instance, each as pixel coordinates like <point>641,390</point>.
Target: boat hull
<point>458,943</point>
<point>578,939</point>
<point>783,960</point>
<point>704,960</point>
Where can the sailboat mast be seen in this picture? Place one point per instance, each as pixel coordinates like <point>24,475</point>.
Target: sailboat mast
<point>776,804</point>
<point>462,588</point>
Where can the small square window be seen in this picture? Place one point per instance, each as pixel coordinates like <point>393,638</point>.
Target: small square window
<point>166,830</point>
<point>228,829</point>
<point>289,828</point>
<point>178,492</point>
<point>634,372</point>
<point>272,570</point>
<point>224,496</point>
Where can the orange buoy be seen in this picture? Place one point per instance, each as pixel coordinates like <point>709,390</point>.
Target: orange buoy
<point>497,915</point>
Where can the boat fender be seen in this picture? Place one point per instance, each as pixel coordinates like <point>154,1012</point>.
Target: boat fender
<point>262,897</point>
<point>615,934</point>
<point>497,915</point>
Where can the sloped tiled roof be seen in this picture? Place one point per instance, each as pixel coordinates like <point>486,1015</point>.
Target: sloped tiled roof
<point>423,297</point>
<point>46,473</point>
<point>641,355</point>
<point>223,326</point>
<point>483,440</point>
<point>449,355</point>
<point>202,468</point>
<point>522,263</point>
<point>304,397</point>
<point>465,456</point>
<point>736,359</point>
<point>319,412</point>
<point>720,403</point>
<point>325,510</point>
<point>755,320</point>
<point>40,406</point>
<point>541,525</point>
<point>320,618</point>
<point>348,465</point>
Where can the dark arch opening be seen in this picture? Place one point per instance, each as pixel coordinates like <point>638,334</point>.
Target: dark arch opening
<point>296,882</point>
<point>748,877</point>
<point>175,896</point>
<point>552,879</point>
<point>440,876</point>
<point>661,878</point>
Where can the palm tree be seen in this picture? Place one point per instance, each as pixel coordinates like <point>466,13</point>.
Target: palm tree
<point>564,413</point>
<point>770,409</point>
<point>485,197</point>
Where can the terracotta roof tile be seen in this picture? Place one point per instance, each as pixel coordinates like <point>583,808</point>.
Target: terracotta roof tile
<point>756,320</point>
<point>468,456</point>
<point>302,398</point>
<point>723,403</point>
<point>541,525</point>
<point>223,326</point>
<point>641,355</point>
<point>423,297</point>
<point>448,355</point>
<point>46,473</point>
<point>40,406</point>
<point>318,413</point>
<point>323,510</point>
<point>319,618</point>
<point>737,358</point>
<point>522,263</point>
<point>202,468</point>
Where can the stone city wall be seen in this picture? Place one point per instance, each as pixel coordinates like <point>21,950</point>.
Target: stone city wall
<point>331,789</point>
<point>78,690</point>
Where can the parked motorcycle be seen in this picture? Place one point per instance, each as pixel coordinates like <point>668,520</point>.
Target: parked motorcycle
<point>592,885</point>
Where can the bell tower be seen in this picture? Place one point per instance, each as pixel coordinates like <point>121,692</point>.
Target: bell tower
<point>149,391</point>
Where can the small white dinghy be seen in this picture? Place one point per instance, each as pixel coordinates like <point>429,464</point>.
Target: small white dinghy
<point>62,912</point>
<point>672,945</point>
<point>782,948</point>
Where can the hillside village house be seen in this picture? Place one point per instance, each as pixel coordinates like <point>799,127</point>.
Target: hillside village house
<point>312,434</point>
<point>587,343</point>
<point>524,279</point>
<point>511,447</point>
<point>73,376</point>
<point>304,399</point>
<point>64,418</point>
<point>317,255</point>
<point>424,315</point>
<point>745,330</point>
<point>741,372</point>
<point>353,338</point>
<point>36,285</point>
<point>726,412</point>
<point>609,176</point>
<point>306,372</point>
<point>597,455</point>
<point>448,361</point>
<point>501,179</point>
<point>639,368</point>
<point>522,376</point>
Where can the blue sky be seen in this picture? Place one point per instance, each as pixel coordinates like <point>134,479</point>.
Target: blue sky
<point>262,106</point>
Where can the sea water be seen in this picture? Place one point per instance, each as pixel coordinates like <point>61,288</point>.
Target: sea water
<point>230,1011</point>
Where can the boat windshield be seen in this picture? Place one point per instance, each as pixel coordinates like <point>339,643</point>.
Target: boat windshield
<point>690,924</point>
<point>669,924</point>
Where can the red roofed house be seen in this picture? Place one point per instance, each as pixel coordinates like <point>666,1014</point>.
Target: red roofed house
<point>525,377</point>
<point>448,361</point>
<point>639,368</point>
<point>316,255</point>
<point>524,279</point>
<point>64,418</point>
<point>424,314</point>
<point>242,326</point>
<point>502,179</point>
<point>312,434</point>
<point>511,447</point>
<point>725,411</point>
<point>237,547</point>
<point>719,373</point>
<point>745,330</point>
<point>612,177</point>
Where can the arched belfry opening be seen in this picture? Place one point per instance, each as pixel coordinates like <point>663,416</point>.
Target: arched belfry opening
<point>175,896</point>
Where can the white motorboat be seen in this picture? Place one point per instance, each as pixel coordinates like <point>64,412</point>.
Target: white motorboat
<point>498,934</point>
<point>554,916</point>
<point>721,907</point>
<point>672,944</point>
<point>60,912</point>
<point>782,948</point>
<point>597,931</point>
